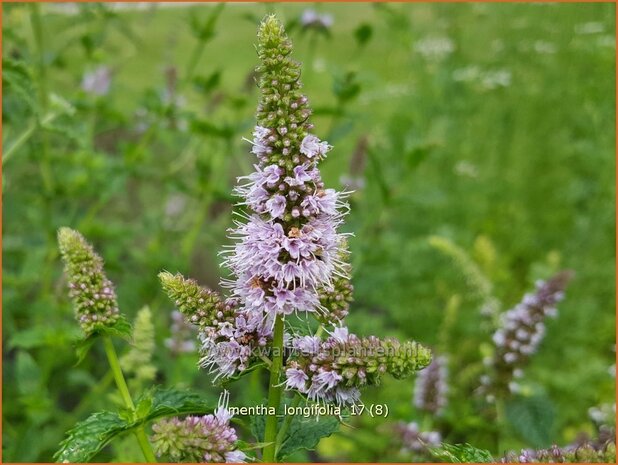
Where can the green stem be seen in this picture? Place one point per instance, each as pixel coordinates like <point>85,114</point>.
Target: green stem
<point>39,39</point>
<point>274,393</point>
<point>112,357</point>
<point>286,424</point>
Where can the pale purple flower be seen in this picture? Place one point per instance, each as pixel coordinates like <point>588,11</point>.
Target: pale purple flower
<point>307,344</point>
<point>276,206</point>
<point>97,82</point>
<point>296,379</point>
<point>311,146</point>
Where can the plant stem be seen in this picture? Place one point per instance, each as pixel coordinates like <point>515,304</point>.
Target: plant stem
<point>39,39</point>
<point>112,357</point>
<point>286,424</point>
<point>274,393</point>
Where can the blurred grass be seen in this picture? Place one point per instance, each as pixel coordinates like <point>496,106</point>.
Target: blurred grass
<point>503,144</point>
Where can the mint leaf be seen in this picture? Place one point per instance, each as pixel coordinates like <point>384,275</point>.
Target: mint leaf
<point>532,418</point>
<point>305,433</point>
<point>87,438</point>
<point>461,453</point>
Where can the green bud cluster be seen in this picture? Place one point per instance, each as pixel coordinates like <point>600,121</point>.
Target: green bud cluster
<point>282,107</point>
<point>138,361</point>
<point>92,294</point>
<point>336,300</point>
<point>202,307</point>
<point>362,361</point>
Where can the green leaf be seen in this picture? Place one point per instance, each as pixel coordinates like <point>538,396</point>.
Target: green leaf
<point>166,402</point>
<point>88,437</point>
<point>303,433</point>
<point>532,418</point>
<point>122,329</point>
<point>461,453</point>
<point>82,347</point>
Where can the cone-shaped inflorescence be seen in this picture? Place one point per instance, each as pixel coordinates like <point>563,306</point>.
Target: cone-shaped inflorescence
<point>288,248</point>
<point>431,387</point>
<point>228,337</point>
<point>522,330</point>
<point>205,439</point>
<point>332,370</point>
<point>92,294</point>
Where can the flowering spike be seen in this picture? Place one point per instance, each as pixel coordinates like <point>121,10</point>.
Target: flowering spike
<point>92,294</point>
<point>205,439</point>
<point>289,248</point>
<point>200,305</point>
<point>522,330</point>
<point>431,387</point>
<point>334,369</point>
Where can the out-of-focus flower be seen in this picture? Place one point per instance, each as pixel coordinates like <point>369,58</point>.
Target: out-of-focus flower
<point>92,294</point>
<point>431,389</point>
<point>545,48</point>
<point>591,27</point>
<point>355,179</point>
<point>414,440</point>
<point>521,331</point>
<point>434,48</point>
<point>97,82</point>
<point>205,439</point>
<point>182,339</point>
<point>312,19</point>
<point>494,79</point>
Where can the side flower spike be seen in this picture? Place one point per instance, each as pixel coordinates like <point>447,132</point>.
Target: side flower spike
<point>92,294</point>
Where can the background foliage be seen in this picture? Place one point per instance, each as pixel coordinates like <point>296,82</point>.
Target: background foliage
<point>479,139</point>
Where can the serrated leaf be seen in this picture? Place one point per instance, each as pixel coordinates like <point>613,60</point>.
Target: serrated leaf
<point>303,433</point>
<point>532,418</point>
<point>88,437</point>
<point>166,402</point>
<point>122,329</point>
<point>461,453</point>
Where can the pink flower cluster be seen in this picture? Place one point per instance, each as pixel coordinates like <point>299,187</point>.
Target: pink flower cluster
<point>206,439</point>
<point>288,249</point>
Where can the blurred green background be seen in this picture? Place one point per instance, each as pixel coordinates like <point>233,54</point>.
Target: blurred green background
<point>479,140</point>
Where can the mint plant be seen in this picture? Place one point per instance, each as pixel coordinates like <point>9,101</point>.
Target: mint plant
<point>284,310</point>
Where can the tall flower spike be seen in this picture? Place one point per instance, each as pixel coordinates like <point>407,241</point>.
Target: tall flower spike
<point>288,249</point>
<point>522,330</point>
<point>92,294</point>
